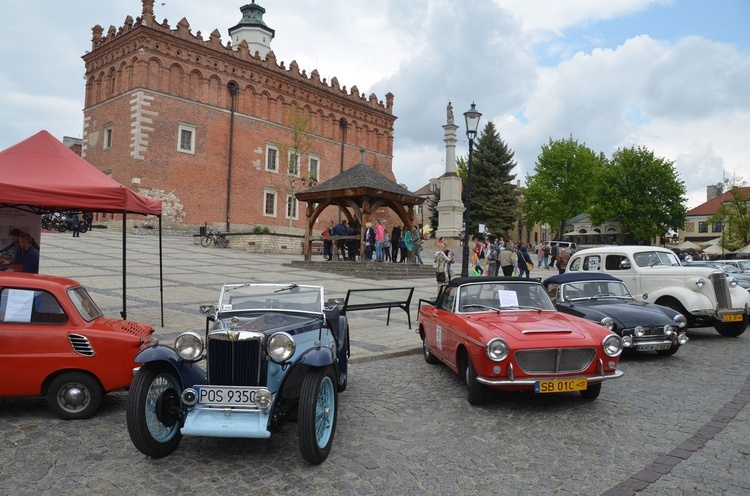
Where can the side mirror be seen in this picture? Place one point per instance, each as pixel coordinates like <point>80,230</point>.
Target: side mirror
<point>688,258</point>
<point>207,309</point>
<point>625,264</point>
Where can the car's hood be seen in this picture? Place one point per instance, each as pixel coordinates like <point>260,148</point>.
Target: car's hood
<point>546,328</point>
<point>626,314</point>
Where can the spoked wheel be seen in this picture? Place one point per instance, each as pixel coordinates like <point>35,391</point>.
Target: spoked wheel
<point>476,390</point>
<point>153,409</point>
<point>221,242</point>
<point>592,392</point>
<point>316,418</point>
<point>74,395</point>
<point>206,241</point>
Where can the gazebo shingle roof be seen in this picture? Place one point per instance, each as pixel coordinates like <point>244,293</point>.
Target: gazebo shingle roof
<point>359,176</point>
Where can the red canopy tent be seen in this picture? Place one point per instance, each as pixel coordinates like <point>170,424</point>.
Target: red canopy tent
<point>40,174</point>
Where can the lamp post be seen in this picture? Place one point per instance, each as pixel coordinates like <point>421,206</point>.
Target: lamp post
<point>472,124</point>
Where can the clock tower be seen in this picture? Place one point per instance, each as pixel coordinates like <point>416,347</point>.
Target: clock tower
<point>253,30</point>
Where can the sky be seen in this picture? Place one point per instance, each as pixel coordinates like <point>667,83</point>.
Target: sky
<point>668,75</point>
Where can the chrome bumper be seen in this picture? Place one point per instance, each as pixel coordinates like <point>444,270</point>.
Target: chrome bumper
<point>591,378</point>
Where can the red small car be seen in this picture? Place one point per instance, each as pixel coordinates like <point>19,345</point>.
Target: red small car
<point>505,333</point>
<point>56,343</point>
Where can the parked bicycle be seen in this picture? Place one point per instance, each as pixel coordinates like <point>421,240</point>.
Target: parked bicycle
<point>217,238</point>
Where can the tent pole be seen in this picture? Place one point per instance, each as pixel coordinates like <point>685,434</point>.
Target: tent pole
<point>124,312</point>
<point>161,275</point>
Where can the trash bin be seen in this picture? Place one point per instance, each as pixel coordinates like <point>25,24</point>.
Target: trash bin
<point>202,230</point>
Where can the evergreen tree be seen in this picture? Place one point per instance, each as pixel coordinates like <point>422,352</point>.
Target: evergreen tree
<point>432,203</point>
<point>494,197</point>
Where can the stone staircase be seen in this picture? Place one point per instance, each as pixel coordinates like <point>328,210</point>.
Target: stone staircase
<point>367,270</point>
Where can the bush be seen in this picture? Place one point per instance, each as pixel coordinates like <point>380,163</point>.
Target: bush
<point>261,230</point>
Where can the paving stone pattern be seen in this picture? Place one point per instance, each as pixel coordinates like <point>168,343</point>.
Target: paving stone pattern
<point>672,425</point>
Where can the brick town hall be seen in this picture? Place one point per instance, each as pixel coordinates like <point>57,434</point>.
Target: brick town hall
<point>220,131</point>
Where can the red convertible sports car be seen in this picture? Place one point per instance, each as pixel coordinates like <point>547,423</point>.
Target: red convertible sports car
<point>504,333</point>
<point>56,343</point>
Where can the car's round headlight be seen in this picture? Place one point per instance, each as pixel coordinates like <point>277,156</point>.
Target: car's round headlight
<point>668,330</point>
<point>680,321</point>
<point>497,350</point>
<point>639,331</point>
<point>612,345</point>
<point>700,282</point>
<point>189,346</point>
<point>280,347</point>
<point>733,283</point>
<point>608,323</point>
<point>627,341</point>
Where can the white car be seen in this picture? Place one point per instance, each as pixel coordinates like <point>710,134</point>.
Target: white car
<point>705,295</point>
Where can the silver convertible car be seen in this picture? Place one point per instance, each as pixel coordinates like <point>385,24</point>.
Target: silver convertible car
<point>270,353</point>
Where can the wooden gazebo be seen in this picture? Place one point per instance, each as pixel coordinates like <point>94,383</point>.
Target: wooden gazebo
<point>358,192</point>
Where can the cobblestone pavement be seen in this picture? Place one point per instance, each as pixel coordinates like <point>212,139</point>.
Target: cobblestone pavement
<point>671,425</point>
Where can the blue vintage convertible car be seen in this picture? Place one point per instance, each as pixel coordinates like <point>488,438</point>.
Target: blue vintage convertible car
<point>269,353</point>
<point>606,300</point>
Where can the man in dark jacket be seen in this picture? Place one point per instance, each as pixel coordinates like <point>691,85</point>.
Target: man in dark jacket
<point>340,230</point>
<point>395,240</point>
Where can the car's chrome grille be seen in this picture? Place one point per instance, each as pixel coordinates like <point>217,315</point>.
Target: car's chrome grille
<point>555,360</point>
<point>647,331</point>
<point>721,289</point>
<point>235,363</point>
<point>81,345</point>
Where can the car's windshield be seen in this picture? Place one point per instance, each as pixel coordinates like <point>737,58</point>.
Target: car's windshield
<point>84,304</point>
<point>285,297</point>
<point>651,258</point>
<point>487,296</point>
<point>744,264</point>
<point>594,289</point>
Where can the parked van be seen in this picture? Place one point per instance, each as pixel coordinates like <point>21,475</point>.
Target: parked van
<point>569,246</point>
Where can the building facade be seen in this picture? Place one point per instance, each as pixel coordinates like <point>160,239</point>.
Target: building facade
<point>222,132</point>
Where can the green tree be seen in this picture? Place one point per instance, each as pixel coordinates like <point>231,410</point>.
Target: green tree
<point>494,197</point>
<point>301,143</point>
<point>643,192</point>
<point>735,214</point>
<point>563,184</point>
<point>432,203</point>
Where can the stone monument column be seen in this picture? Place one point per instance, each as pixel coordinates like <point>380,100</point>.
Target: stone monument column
<point>450,207</point>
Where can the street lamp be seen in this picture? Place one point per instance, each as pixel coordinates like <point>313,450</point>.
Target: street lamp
<point>472,124</point>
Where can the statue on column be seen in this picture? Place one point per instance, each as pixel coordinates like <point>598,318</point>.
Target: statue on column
<point>450,113</point>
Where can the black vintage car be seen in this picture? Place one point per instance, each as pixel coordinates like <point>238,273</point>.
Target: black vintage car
<point>270,353</point>
<point>606,300</point>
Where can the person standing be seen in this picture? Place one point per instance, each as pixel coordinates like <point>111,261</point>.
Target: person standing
<point>524,259</point>
<point>544,255</point>
<point>492,257</point>
<point>395,243</point>
<point>416,240</point>
<point>552,255</point>
<point>506,260</point>
<point>340,230</point>
<point>441,268</point>
<point>379,239</point>
<point>408,246</point>
<point>562,260</point>
<point>75,223</point>
<point>327,243</point>
<point>386,246</point>
<point>369,241</point>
